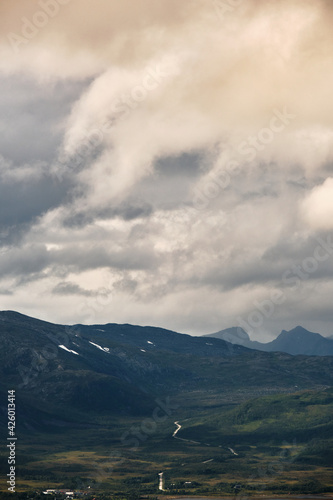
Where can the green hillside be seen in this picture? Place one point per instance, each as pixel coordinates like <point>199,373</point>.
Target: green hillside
<point>302,416</point>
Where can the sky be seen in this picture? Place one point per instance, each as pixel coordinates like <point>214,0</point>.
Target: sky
<point>168,163</point>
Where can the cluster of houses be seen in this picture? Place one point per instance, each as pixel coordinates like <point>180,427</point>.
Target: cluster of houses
<point>68,494</point>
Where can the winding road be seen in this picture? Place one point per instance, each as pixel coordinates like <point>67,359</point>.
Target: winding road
<point>174,435</point>
<point>182,439</point>
<point>178,427</point>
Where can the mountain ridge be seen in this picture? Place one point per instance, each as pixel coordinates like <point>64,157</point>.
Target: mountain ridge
<point>297,341</point>
<point>79,370</point>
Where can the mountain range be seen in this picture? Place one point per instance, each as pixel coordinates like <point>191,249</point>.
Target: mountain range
<point>296,341</point>
<point>83,390</point>
<point>122,368</point>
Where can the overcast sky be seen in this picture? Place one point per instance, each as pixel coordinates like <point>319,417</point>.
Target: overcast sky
<point>168,162</point>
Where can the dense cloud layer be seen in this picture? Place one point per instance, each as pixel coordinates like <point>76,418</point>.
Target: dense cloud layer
<point>167,162</point>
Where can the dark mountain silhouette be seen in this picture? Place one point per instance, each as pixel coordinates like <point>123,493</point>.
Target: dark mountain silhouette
<point>296,341</point>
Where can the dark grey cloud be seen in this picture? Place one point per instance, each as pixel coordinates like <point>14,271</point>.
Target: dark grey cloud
<point>24,261</point>
<point>186,164</point>
<point>126,285</point>
<point>22,201</point>
<point>128,210</point>
<point>283,265</point>
<point>34,262</point>
<point>68,288</point>
<point>98,256</point>
<point>32,117</point>
<point>169,188</point>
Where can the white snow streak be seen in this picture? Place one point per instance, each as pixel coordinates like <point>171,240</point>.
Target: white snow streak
<point>68,350</point>
<point>104,349</point>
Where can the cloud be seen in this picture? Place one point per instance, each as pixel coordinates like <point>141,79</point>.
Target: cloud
<point>129,210</point>
<point>23,261</point>
<point>32,115</point>
<point>175,154</point>
<point>65,288</point>
<point>317,207</point>
<point>23,200</point>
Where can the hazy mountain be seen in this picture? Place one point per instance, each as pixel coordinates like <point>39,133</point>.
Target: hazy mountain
<point>301,341</point>
<point>234,335</point>
<point>296,341</point>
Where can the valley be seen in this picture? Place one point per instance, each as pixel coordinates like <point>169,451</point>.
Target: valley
<point>216,420</point>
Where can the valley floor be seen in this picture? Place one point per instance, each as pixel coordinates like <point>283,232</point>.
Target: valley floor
<point>205,446</point>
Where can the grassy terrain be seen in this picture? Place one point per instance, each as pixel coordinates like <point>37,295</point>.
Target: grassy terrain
<point>281,444</point>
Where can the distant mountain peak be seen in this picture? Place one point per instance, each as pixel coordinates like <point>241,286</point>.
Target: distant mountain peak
<point>297,329</point>
<point>299,340</point>
<point>234,335</point>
